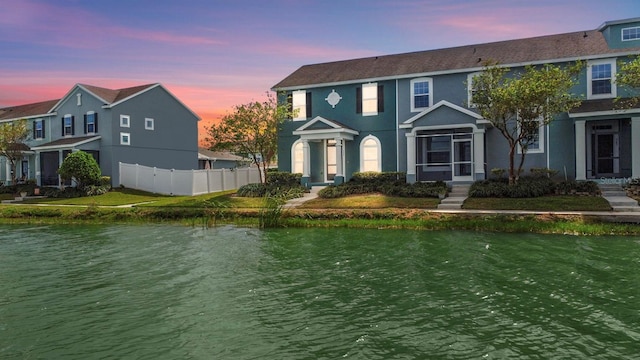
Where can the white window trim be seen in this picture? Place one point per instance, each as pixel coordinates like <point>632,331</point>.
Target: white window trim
<point>71,126</point>
<point>629,28</point>
<point>379,150</point>
<point>125,121</point>
<point>613,93</point>
<point>148,121</point>
<point>470,77</point>
<point>94,123</point>
<point>294,159</point>
<point>124,135</point>
<point>373,98</point>
<point>41,121</point>
<point>299,101</point>
<point>540,149</point>
<point>413,105</point>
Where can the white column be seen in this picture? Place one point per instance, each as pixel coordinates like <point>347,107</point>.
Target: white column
<point>581,150</point>
<point>635,147</point>
<point>478,153</point>
<point>306,159</point>
<point>411,154</point>
<point>339,169</point>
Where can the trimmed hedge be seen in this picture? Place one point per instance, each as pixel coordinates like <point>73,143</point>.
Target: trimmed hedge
<point>386,183</point>
<point>530,186</point>
<point>278,184</point>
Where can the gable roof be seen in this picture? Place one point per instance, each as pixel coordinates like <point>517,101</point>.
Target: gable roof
<point>26,111</point>
<point>206,154</point>
<point>107,96</point>
<point>541,49</point>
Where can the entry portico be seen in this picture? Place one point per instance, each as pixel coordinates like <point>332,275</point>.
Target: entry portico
<point>329,136</point>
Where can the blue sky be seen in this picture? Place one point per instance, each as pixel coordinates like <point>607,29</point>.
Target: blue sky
<point>214,54</point>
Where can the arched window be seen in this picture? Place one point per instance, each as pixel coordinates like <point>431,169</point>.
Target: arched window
<point>370,154</point>
<point>297,158</point>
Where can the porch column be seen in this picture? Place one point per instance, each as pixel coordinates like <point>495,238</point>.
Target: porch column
<point>635,147</point>
<point>37,169</point>
<point>478,155</point>
<point>339,177</point>
<point>306,163</point>
<point>581,150</point>
<point>411,157</point>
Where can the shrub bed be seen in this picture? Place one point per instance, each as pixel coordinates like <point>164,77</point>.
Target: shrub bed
<point>278,183</point>
<point>530,186</point>
<point>386,183</point>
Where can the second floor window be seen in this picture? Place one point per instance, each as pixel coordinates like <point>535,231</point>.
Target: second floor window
<point>67,125</point>
<point>600,76</point>
<point>90,123</point>
<point>421,94</point>
<point>629,34</point>
<point>301,105</point>
<point>370,99</point>
<point>38,129</point>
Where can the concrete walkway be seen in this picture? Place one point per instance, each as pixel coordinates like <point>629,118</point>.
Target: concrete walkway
<point>312,194</point>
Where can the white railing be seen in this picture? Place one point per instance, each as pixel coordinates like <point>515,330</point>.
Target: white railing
<point>185,182</point>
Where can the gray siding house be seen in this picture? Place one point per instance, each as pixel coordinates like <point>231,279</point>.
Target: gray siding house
<point>144,125</point>
<point>412,112</point>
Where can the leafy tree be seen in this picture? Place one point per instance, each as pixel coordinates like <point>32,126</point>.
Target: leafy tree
<point>12,137</point>
<point>252,131</point>
<point>519,103</point>
<point>628,76</point>
<point>80,167</point>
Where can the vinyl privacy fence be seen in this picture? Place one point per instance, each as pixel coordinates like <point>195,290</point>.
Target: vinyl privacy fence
<point>185,182</point>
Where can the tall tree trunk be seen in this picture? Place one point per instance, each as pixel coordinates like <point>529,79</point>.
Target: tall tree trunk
<point>512,153</point>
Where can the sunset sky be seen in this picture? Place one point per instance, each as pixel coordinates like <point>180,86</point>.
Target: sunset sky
<point>215,54</point>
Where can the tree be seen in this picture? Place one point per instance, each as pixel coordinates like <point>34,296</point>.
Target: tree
<point>80,167</point>
<point>12,137</point>
<point>628,76</point>
<point>518,104</point>
<point>252,131</point>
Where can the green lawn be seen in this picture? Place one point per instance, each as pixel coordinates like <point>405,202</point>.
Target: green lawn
<point>543,203</point>
<point>371,201</point>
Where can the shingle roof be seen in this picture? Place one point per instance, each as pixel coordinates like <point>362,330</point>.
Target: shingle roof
<point>69,141</point>
<point>28,110</point>
<point>575,45</point>
<point>112,96</point>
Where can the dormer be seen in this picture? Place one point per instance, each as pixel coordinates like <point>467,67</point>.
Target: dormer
<point>621,34</point>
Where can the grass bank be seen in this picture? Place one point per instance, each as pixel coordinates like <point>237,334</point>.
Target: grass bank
<point>363,211</point>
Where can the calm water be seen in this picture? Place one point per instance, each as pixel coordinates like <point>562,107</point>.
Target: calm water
<point>170,292</point>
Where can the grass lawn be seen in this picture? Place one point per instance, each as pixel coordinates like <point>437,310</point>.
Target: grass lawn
<point>112,198</point>
<point>543,203</point>
<point>371,201</point>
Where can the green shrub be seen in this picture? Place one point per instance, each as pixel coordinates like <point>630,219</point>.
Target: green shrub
<point>543,172</point>
<point>390,184</point>
<point>572,186</point>
<point>527,187</point>
<point>81,167</point>
<point>280,178</point>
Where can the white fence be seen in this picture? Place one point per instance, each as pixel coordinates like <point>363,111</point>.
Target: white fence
<point>185,182</point>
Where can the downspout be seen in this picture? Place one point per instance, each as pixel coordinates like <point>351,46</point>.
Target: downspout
<point>397,132</point>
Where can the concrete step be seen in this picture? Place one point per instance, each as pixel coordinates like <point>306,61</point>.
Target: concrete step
<point>621,201</point>
<point>610,193</point>
<point>453,200</point>
<point>626,208</point>
<point>449,206</point>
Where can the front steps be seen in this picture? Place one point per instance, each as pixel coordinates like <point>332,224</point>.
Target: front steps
<point>455,198</point>
<point>618,199</point>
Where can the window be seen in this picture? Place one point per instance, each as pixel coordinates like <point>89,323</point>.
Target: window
<point>67,125</point>
<point>370,99</point>
<point>125,138</point>
<point>297,158</point>
<point>148,123</point>
<point>535,142</point>
<point>125,121</point>
<point>471,89</point>
<point>38,129</point>
<point>90,123</point>
<point>301,104</point>
<point>421,94</point>
<point>629,34</point>
<point>370,154</point>
<point>600,79</point>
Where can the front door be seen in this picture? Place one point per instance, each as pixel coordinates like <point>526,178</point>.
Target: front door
<point>462,158</point>
<point>606,155</point>
<point>331,161</point>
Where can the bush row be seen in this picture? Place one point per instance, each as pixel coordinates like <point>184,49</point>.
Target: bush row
<point>278,183</point>
<point>386,183</point>
<point>530,186</point>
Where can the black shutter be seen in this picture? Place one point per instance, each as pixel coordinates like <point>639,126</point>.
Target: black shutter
<point>380,98</point>
<point>85,123</point>
<point>34,128</point>
<point>73,125</point>
<point>63,126</point>
<point>358,100</point>
<point>44,135</point>
<point>308,105</point>
<point>95,122</point>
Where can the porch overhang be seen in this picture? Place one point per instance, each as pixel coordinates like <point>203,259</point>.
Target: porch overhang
<point>601,108</point>
<point>320,128</point>
<point>66,143</point>
<point>408,124</point>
